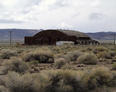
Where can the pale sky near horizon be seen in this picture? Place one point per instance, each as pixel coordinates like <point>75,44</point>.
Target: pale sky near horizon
<point>82,15</point>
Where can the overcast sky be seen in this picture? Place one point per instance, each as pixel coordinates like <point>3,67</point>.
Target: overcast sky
<point>82,15</point>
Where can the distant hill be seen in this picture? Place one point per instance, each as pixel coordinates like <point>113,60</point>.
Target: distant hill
<point>102,35</point>
<point>19,34</point>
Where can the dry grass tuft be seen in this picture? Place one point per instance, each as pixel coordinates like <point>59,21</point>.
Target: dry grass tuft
<point>42,56</point>
<point>3,89</point>
<point>98,77</point>
<point>100,49</point>
<point>16,65</point>
<point>60,63</point>
<point>59,81</point>
<point>114,66</point>
<point>88,58</point>
<point>104,55</point>
<point>72,56</point>
<point>20,83</point>
<point>7,54</point>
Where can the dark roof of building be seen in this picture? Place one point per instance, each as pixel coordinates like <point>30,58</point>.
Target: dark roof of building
<point>74,33</point>
<point>68,32</point>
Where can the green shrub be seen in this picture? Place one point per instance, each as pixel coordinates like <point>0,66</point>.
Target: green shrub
<point>20,83</point>
<point>99,77</point>
<point>88,59</point>
<point>114,66</point>
<point>7,54</point>
<point>59,63</point>
<point>39,55</point>
<point>15,65</point>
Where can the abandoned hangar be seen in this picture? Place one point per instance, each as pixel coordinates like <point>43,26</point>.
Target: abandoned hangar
<point>52,36</point>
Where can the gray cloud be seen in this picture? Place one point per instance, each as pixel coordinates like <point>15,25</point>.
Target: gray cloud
<point>96,16</point>
<point>60,3</point>
<point>83,15</point>
<point>8,21</point>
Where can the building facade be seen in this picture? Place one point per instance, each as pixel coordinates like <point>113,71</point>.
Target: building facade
<point>51,37</point>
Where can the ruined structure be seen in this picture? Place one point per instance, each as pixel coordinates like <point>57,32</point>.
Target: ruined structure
<point>50,37</point>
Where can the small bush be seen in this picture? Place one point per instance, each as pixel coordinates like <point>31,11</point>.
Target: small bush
<point>114,66</point>
<point>3,89</point>
<point>40,55</point>
<point>97,78</point>
<point>15,65</point>
<point>7,54</point>
<point>112,53</point>
<point>104,54</point>
<point>88,59</point>
<point>113,81</point>
<point>35,62</point>
<point>72,79</point>
<point>63,81</point>
<point>60,81</point>
<point>72,56</point>
<point>20,83</point>
<point>67,67</point>
<point>59,63</point>
<point>100,49</point>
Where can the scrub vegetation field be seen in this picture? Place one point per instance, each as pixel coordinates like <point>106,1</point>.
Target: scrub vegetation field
<point>67,68</point>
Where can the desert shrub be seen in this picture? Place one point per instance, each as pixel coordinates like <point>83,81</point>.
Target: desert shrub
<point>2,81</point>
<point>104,54</point>
<point>72,79</point>
<point>72,56</point>
<point>3,89</point>
<point>20,83</point>
<point>7,54</point>
<point>35,62</point>
<point>59,81</point>
<point>15,65</point>
<point>19,51</point>
<point>63,81</point>
<point>113,81</point>
<point>67,67</point>
<point>89,49</point>
<point>99,77</point>
<point>65,88</point>
<point>88,59</point>
<point>59,63</point>
<point>100,49</point>
<point>114,66</point>
<point>42,56</point>
<point>112,53</point>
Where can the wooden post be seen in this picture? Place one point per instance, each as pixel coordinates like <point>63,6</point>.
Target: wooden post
<point>114,38</point>
<point>10,32</point>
